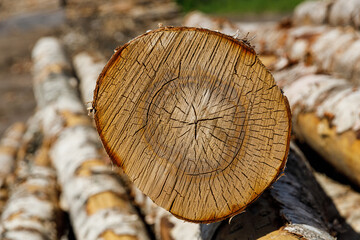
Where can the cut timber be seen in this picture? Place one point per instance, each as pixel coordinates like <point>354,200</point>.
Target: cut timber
<point>32,211</point>
<point>326,114</point>
<point>165,225</point>
<point>295,207</point>
<point>334,12</point>
<point>9,144</point>
<point>98,204</point>
<point>195,120</point>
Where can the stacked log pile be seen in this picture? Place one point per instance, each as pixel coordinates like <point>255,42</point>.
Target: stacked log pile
<point>56,162</point>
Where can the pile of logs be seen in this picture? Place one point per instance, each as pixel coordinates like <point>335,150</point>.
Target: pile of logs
<point>54,165</point>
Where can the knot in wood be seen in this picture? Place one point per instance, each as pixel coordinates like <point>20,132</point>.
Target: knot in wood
<point>195,120</point>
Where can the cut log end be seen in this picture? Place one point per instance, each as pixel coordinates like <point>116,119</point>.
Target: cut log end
<point>195,120</point>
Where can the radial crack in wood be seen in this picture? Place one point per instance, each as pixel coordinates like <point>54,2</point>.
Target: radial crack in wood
<point>195,120</point>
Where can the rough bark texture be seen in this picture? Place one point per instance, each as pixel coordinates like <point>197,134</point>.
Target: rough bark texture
<point>32,211</point>
<point>9,144</point>
<point>201,112</point>
<point>294,208</point>
<point>165,225</point>
<point>95,196</point>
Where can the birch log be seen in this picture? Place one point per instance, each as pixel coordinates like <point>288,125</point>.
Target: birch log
<point>97,201</point>
<point>201,112</point>
<point>295,207</point>
<point>9,144</point>
<point>332,50</point>
<point>166,226</point>
<point>326,114</point>
<point>334,12</point>
<point>32,211</point>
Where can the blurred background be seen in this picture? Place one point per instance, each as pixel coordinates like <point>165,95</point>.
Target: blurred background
<point>97,25</point>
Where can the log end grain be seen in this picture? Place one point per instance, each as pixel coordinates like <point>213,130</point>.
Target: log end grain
<point>194,119</point>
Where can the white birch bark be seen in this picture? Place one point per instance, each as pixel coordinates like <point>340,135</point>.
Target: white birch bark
<point>326,114</point>
<point>88,67</point>
<point>333,12</point>
<point>97,201</point>
<point>32,211</point>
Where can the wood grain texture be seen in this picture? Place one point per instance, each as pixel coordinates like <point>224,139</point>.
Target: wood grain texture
<point>195,120</point>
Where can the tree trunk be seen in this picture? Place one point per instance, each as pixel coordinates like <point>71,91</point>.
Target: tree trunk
<point>98,204</point>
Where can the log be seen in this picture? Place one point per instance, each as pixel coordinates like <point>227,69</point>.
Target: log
<point>9,144</point>
<point>166,226</point>
<point>32,211</point>
<point>334,12</point>
<point>295,207</point>
<point>326,115</point>
<point>98,204</point>
<point>201,129</point>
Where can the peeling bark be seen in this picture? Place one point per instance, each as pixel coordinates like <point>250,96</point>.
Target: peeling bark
<point>98,204</point>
